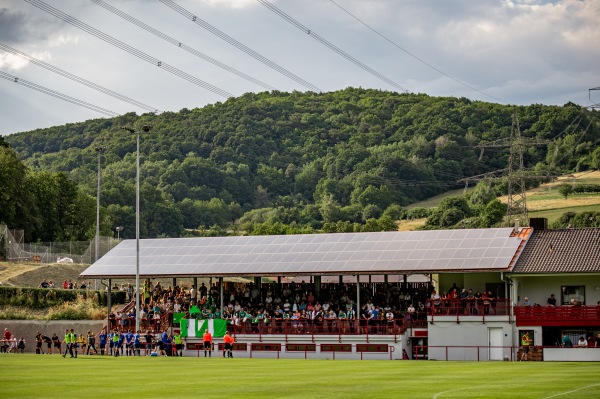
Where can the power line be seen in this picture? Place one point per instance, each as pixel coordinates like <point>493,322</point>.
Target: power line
<point>56,94</point>
<point>330,45</point>
<point>76,78</point>
<point>179,44</point>
<point>414,56</point>
<point>238,45</point>
<point>131,50</point>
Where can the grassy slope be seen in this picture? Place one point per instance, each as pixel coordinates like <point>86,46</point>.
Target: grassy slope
<point>544,201</point>
<point>216,377</point>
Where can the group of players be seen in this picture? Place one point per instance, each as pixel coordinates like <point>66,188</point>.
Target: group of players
<point>131,343</point>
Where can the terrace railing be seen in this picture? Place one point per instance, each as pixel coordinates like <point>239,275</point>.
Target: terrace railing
<point>558,316</point>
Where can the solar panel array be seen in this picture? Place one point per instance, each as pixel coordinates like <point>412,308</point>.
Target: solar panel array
<point>313,254</point>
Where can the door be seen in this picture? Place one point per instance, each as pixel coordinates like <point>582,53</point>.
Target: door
<point>495,342</point>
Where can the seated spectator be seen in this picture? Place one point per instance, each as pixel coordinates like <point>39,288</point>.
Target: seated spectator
<point>582,343</point>
<point>43,284</point>
<point>551,302</point>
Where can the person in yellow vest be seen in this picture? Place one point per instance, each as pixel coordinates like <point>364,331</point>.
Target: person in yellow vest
<point>228,345</point>
<point>178,344</point>
<point>525,343</point>
<point>115,340</point>
<point>81,343</point>
<point>207,339</point>
<point>67,341</point>
<point>74,342</point>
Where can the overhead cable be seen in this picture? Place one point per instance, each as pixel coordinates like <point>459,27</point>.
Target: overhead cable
<point>179,44</point>
<point>56,94</point>
<point>415,57</point>
<point>76,78</point>
<point>330,45</point>
<point>239,45</point>
<point>131,50</point>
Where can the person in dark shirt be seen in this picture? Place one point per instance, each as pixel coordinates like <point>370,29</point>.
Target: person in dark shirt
<point>551,301</point>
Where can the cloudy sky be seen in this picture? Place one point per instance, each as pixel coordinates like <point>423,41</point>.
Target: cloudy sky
<point>510,52</point>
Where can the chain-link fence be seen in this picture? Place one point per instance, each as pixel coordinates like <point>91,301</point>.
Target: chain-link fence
<point>13,249</point>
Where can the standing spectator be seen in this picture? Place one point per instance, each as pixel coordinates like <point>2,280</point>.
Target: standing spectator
<point>178,344</point>
<point>207,340</point>
<point>129,292</point>
<point>21,345</point>
<point>137,344</point>
<point>5,341</point>
<point>228,345</point>
<point>56,342</point>
<point>39,349</point>
<point>591,340</point>
<point>148,338</point>
<point>48,342</point>
<point>582,343</point>
<point>67,342</point>
<point>129,343</point>
<point>91,340</point>
<point>102,341</point>
<point>81,342</point>
<point>12,345</point>
<point>65,285</point>
<point>566,341</point>
<point>525,343</point>
<point>115,343</point>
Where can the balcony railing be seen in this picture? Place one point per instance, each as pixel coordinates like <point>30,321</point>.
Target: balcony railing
<point>460,308</point>
<point>559,316</point>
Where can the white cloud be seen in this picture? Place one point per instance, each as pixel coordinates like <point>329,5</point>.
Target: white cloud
<point>12,62</point>
<point>237,4</point>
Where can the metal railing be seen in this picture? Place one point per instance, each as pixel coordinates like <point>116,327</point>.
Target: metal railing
<point>313,327</point>
<point>467,307</point>
<point>566,316</point>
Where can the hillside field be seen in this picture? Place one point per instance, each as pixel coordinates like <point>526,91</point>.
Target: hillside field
<point>29,376</point>
<point>542,202</point>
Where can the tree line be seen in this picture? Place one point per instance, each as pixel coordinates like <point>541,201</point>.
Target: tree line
<point>281,163</point>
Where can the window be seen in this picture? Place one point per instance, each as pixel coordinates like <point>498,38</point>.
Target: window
<point>572,295</point>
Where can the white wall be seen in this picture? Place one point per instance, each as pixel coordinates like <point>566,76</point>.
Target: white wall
<point>469,332</point>
<point>539,288</point>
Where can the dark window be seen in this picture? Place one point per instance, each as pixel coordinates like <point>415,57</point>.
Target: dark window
<point>572,295</point>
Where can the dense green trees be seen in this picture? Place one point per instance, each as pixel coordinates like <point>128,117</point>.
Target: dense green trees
<point>287,162</point>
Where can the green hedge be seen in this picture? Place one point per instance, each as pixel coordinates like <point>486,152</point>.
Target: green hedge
<point>586,188</point>
<point>39,298</point>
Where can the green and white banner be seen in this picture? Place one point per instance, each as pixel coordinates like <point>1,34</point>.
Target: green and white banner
<point>197,328</point>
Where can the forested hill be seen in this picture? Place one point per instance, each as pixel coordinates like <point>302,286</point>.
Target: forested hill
<point>298,159</point>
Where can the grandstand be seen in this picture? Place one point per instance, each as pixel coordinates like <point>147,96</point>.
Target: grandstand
<point>416,277</point>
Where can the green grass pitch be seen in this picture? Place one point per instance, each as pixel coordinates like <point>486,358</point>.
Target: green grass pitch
<point>44,376</point>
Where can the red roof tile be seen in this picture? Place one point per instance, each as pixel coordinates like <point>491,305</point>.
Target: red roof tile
<point>561,251</point>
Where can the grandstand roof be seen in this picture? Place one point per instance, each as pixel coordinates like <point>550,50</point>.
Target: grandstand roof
<point>435,251</point>
<point>561,251</point>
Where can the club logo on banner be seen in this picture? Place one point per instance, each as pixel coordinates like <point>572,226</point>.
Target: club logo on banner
<point>197,328</point>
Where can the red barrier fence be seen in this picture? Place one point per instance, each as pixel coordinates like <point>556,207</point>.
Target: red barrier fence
<point>562,316</point>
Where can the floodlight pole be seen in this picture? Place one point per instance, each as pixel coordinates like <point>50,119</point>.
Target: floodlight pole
<point>145,128</point>
<point>99,150</point>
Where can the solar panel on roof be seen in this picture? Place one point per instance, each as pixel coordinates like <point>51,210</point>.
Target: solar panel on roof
<point>393,252</point>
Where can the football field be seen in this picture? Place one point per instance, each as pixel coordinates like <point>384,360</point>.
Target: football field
<point>44,376</point>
